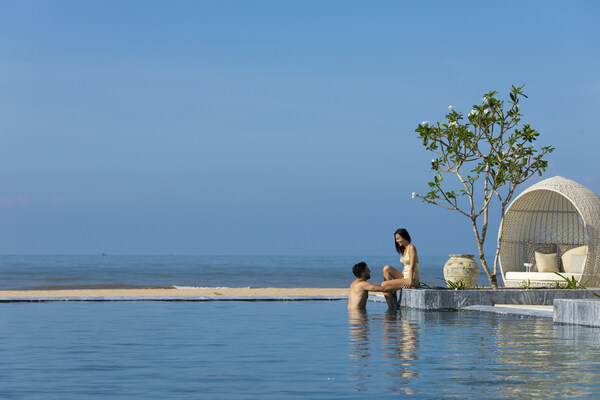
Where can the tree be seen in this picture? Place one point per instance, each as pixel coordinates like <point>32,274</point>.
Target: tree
<point>490,153</point>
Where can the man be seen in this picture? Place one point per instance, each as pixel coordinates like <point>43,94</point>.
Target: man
<point>360,288</point>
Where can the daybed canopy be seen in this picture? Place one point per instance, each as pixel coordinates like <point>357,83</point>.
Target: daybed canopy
<point>551,217</point>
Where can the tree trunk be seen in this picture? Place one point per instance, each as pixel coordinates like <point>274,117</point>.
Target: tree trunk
<point>492,277</point>
<point>500,233</point>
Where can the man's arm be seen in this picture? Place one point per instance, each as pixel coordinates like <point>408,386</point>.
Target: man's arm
<point>372,288</point>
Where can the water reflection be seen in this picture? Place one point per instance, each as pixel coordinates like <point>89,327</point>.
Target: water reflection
<point>400,342</point>
<point>550,360</point>
<point>396,345</point>
<point>361,350</point>
<point>476,355</point>
<point>359,333</point>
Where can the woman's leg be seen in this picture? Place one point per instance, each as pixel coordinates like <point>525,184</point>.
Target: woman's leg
<point>391,274</point>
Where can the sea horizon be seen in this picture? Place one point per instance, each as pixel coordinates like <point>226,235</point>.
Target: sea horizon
<point>50,272</point>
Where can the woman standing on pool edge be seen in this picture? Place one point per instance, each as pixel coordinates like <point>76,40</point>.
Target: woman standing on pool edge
<point>410,276</point>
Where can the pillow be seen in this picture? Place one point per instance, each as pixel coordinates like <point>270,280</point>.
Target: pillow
<point>566,257</point>
<point>546,262</point>
<point>545,248</point>
<point>577,263</point>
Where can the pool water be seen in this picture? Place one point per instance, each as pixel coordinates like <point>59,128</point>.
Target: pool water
<point>283,349</point>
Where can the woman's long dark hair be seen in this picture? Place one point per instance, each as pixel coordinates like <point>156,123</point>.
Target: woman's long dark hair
<point>404,234</point>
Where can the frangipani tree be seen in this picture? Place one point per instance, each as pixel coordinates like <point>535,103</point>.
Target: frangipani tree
<point>490,154</point>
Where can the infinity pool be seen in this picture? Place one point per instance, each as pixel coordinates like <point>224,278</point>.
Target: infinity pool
<point>281,350</point>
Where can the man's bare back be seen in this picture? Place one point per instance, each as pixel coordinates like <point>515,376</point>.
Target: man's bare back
<point>360,288</point>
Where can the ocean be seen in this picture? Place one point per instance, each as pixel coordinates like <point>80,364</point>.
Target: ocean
<point>38,272</point>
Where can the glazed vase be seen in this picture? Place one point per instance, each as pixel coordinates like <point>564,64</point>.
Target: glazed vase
<point>461,266</point>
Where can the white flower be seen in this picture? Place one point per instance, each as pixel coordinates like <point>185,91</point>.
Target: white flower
<point>487,110</point>
<point>453,123</point>
<point>473,112</point>
<point>414,195</point>
<point>451,108</point>
<point>425,123</point>
<point>484,99</point>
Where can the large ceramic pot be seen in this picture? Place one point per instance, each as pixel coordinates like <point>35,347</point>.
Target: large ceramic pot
<point>462,266</point>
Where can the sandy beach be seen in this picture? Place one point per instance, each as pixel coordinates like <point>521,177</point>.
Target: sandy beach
<point>233,292</point>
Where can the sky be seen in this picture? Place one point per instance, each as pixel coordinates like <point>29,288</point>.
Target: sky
<point>269,127</point>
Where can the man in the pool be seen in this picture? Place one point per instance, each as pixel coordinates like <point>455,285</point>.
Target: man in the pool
<point>360,288</point>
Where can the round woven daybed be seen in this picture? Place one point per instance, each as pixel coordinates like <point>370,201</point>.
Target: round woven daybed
<point>554,225</point>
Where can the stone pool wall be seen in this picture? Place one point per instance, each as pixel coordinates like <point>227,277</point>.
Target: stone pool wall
<point>446,299</point>
<point>577,312</point>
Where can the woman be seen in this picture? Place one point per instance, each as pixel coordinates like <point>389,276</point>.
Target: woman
<point>410,275</point>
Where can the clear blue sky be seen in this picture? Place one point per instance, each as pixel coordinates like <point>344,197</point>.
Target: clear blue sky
<point>268,127</point>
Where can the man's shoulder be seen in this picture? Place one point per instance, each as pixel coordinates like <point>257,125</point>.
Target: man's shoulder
<point>357,283</point>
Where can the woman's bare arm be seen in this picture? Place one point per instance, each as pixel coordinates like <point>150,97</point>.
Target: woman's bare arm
<point>412,254</point>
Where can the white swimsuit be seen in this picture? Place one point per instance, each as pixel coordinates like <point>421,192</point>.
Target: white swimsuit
<point>416,274</point>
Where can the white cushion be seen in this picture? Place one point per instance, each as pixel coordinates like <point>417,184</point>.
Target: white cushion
<point>566,257</point>
<point>539,276</point>
<point>546,262</point>
<point>577,263</point>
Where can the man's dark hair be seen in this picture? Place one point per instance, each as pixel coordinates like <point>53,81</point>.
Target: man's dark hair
<point>359,269</point>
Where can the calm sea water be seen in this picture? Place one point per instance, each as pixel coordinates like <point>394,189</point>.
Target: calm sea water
<point>66,272</point>
<point>286,350</point>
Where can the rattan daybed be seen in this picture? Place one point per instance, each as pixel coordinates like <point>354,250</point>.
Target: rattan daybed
<point>553,224</point>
